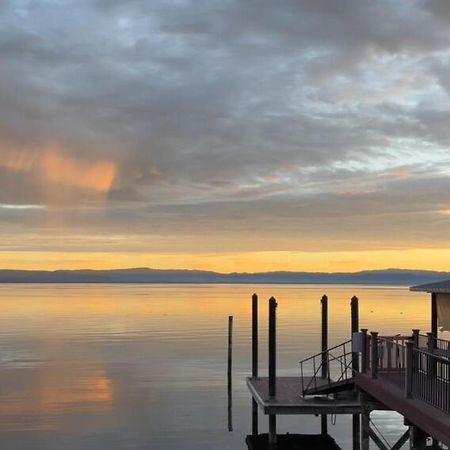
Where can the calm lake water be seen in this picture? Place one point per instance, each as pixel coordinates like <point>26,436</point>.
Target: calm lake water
<point>144,366</point>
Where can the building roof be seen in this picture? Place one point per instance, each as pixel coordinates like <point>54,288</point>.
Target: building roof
<point>441,287</point>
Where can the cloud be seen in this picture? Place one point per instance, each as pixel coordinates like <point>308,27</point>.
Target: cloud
<point>52,166</point>
<point>208,117</point>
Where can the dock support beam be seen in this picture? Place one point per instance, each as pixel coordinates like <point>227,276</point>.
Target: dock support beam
<point>272,371</point>
<point>324,348</point>
<point>417,438</point>
<point>254,360</point>
<point>354,303</point>
<point>365,425</point>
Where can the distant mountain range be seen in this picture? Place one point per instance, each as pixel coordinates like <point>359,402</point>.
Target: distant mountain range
<point>391,277</point>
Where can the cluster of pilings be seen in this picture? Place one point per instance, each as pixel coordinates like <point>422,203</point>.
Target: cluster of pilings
<point>272,436</point>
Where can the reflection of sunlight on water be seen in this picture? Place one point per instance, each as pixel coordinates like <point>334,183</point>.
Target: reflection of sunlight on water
<point>31,400</point>
<point>107,366</point>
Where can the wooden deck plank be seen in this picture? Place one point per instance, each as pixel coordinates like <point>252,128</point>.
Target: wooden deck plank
<point>388,388</point>
<point>289,398</point>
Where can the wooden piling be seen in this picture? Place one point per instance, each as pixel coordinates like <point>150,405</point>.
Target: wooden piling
<point>365,425</point>
<point>272,371</point>
<point>324,348</point>
<point>254,336</point>
<point>356,425</point>
<point>230,367</point>
<point>354,305</point>
<point>254,360</point>
<point>272,432</point>
<point>272,347</point>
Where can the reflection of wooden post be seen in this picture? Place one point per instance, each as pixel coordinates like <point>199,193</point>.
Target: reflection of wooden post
<point>254,360</point>
<point>324,348</point>
<point>354,305</point>
<point>272,371</point>
<point>374,354</point>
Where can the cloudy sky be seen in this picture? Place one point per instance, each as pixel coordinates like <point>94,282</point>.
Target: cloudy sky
<point>225,134</point>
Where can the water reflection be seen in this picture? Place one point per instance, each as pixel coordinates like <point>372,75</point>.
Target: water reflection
<point>144,367</point>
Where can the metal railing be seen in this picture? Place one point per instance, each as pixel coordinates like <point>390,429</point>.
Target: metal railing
<point>327,368</point>
<point>435,345</point>
<point>391,353</point>
<point>431,379</point>
<point>421,370</point>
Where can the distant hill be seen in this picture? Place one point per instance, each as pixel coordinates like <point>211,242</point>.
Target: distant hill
<point>391,277</point>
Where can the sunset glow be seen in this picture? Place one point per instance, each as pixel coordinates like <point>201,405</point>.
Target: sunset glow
<point>256,145</point>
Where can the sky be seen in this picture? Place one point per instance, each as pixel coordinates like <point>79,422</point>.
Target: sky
<point>225,134</point>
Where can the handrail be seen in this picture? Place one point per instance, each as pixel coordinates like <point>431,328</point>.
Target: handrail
<point>431,379</point>
<point>423,372</point>
<point>343,360</point>
<point>325,351</point>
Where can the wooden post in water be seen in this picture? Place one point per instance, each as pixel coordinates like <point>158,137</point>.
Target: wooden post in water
<point>230,366</point>
<point>324,302</point>
<point>356,425</point>
<point>272,371</point>
<point>254,360</point>
<point>324,348</point>
<point>365,426</point>
<point>354,304</point>
<point>272,347</point>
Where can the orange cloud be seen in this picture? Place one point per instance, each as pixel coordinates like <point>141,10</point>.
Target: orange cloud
<point>53,166</point>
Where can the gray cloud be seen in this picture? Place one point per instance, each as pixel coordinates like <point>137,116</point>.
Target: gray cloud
<point>300,115</point>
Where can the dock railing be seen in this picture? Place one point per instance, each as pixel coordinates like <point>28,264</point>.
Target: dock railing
<point>432,344</point>
<point>337,361</point>
<point>422,371</point>
<point>431,379</point>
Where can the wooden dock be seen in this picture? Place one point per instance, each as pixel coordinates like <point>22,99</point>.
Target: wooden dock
<point>406,374</point>
<point>289,399</point>
<point>389,388</point>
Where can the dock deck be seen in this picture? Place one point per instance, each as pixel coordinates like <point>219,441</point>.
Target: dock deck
<point>289,400</point>
<point>390,389</point>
